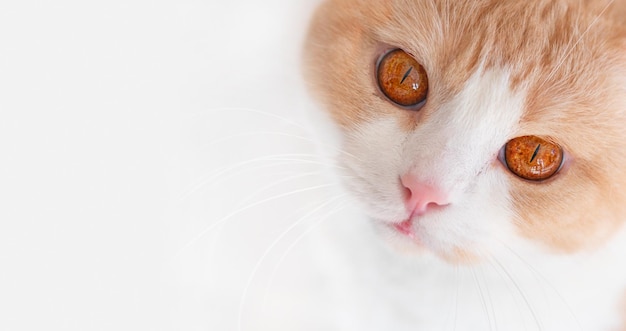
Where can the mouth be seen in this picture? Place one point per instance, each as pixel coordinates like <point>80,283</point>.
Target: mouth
<point>408,237</point>
<point>405,228</point>
<point>405,238</point>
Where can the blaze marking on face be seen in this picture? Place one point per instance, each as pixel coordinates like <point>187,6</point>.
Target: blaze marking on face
<point>453,151</point>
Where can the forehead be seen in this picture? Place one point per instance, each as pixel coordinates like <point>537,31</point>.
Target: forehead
<point>554,52</point>
<point>548,47</point>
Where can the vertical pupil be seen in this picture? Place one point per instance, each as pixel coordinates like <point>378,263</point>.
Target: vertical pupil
<point>408,72</point>
<point>535,153</point>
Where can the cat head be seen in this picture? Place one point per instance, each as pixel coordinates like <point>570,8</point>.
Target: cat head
<point>470,126</point>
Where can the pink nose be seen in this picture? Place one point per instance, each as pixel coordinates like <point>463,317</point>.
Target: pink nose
<point>420,197</point>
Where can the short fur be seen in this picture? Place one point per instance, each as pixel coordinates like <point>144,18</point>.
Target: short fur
<point>497,70</point>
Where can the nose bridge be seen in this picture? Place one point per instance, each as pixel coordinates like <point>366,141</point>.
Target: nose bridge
<point>449,156</point>
<point>432,152</point>
<point>462,136</point>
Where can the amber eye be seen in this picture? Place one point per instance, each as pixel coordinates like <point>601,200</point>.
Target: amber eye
<point>402,79</point>
<point>533,158</point>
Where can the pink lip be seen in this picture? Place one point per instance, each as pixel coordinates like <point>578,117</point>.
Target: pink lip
<point>405,228</point>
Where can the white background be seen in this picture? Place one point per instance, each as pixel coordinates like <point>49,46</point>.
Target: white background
<point>141,143</point>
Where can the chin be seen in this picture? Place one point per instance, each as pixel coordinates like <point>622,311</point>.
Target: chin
<point>402,239</point>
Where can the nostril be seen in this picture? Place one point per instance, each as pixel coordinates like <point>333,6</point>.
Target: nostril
<point>407,193</point>
<point>420,197</point>
<point>435,205</point>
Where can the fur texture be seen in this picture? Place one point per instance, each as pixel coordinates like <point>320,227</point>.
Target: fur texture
<point>497,70</point>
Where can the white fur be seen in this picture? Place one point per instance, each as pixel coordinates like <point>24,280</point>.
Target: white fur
<point>456,150</point>
<point>379,289</point>
<point>517,287</point>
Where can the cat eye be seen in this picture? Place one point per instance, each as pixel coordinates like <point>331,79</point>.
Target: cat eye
<point>533,158</point>
<point>402,79</point>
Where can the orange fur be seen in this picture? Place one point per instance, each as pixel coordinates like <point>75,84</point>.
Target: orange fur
<point>587,119</point>
<point>569,55</point>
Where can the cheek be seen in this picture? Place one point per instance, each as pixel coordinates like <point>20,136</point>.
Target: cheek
<point>567,214</point>
<point>354,107</point>
<point>480,222</point>
<point>373,158</point>
<point>345,81</point>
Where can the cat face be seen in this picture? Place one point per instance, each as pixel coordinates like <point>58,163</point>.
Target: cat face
<point>470,126</point>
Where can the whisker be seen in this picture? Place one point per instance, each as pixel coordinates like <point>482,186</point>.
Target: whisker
<point>519,291</point>
<point>276,183</point>
<point>342,151</point>
<point>254,111</point>
<point>489,300</point>
<point>306,129</point>
<point>456,298</point>
<point>482,297</point>
<point>258,133</point>
<point>215,180</point>
<point>508,286</point>
<point>295,136</point>
<point>289,158</point>
<point>296,241</point>
<point>240,210</point>
<point>269,249</point>
<point>543,279</point>
<point>216,176</point>
<point>571,49</point>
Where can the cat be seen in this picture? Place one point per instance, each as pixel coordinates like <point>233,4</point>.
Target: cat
<point>483,142</point>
